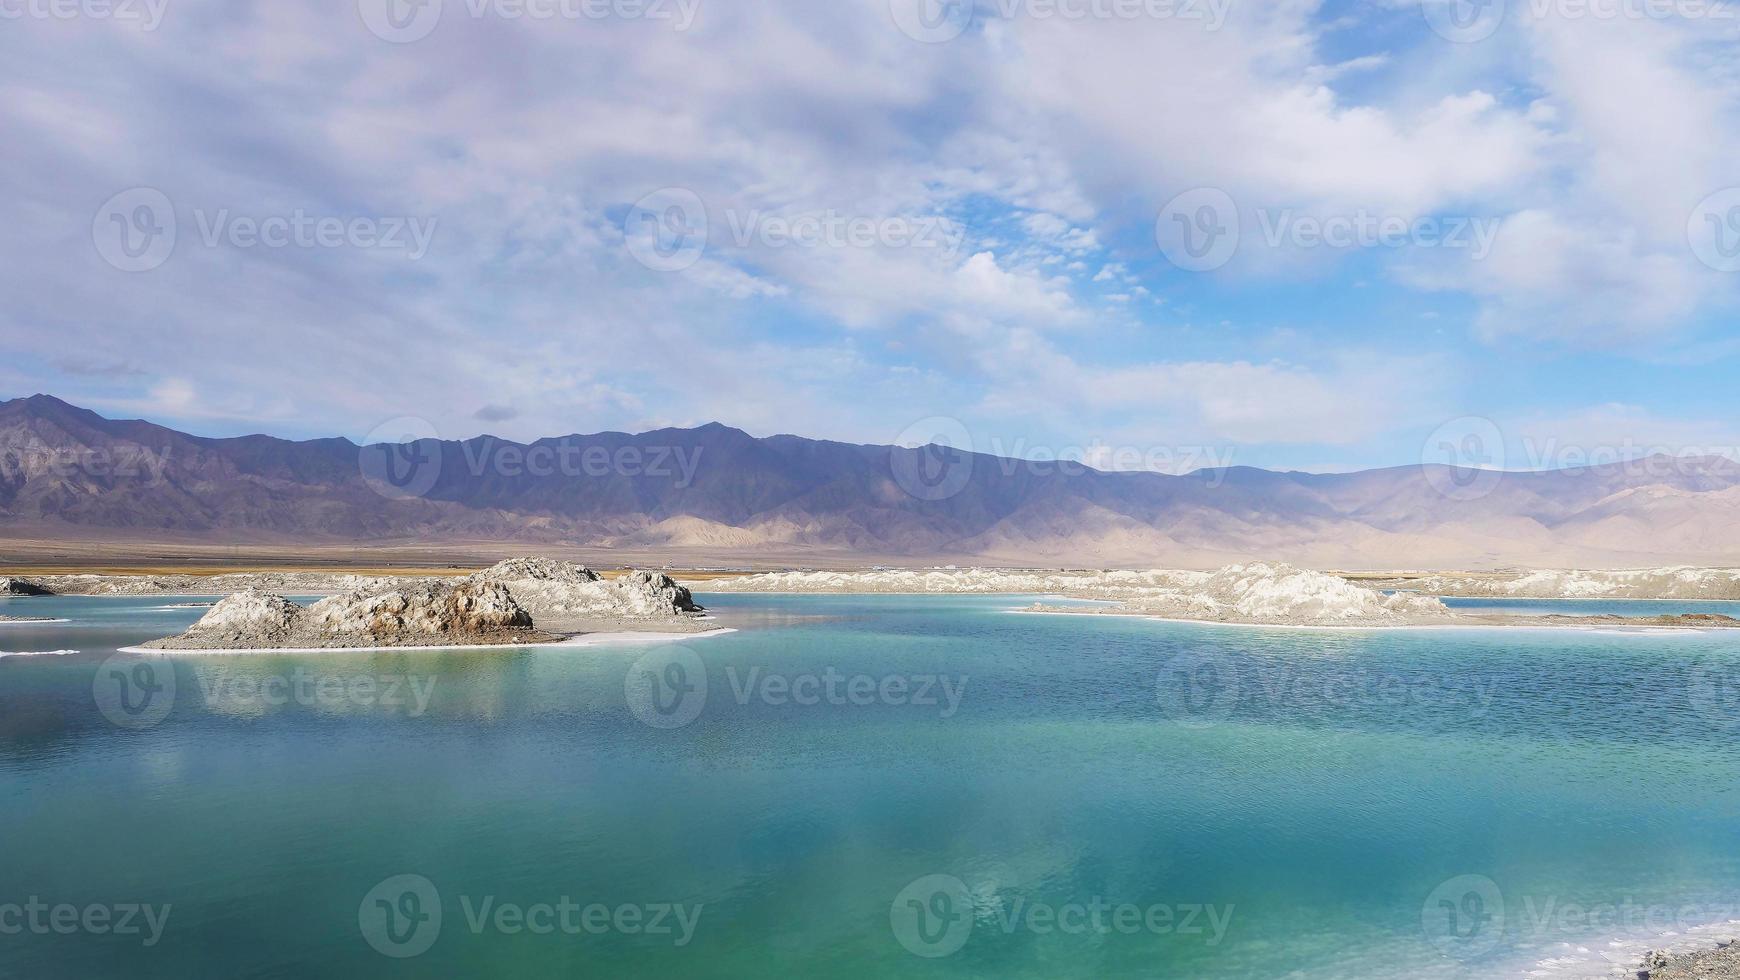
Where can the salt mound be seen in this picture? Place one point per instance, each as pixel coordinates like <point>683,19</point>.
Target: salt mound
<point>653,594</point>
<point>561,590</point>
<point>440,613</point>
<point>427,609</point>
<point>538,569</point>
<point>1280,593</point>
<point>251,618</point>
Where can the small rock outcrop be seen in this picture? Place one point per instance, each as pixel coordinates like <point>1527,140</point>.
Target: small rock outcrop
<point>18,586</point>
<point>253,618</point>
<point>458,613</point>
<point>560,593</point>
<point>656,593</point>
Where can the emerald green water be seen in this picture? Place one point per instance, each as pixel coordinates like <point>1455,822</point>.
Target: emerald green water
<point>1264,803</point>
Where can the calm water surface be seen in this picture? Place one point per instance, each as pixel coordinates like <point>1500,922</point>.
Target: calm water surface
<point>869,786</point>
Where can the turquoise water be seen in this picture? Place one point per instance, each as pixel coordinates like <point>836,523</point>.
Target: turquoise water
<point>1189,801</point>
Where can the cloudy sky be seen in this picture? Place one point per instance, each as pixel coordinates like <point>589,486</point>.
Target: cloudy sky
<point>1286,233</point>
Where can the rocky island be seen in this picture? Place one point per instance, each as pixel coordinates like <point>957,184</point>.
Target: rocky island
<point>519,601</point>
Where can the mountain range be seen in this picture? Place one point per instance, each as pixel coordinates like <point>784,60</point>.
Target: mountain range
<point>717,494</point>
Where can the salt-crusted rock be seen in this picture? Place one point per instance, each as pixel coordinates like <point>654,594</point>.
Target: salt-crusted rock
<point>251,618</point>
<point>564,591</point>
<point>18,586</point>
<point>1277,592</point>
<point>654,593</point>
<point>537,569</point>
<point>432,608</point>
<point>439,613</point>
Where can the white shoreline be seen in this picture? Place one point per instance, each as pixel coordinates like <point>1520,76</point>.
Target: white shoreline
<point>581,641</point>
<point>1586,627</point>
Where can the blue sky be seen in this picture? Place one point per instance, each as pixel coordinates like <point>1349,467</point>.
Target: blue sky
<point>817,218</point>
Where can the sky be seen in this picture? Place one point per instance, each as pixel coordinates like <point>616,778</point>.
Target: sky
<point>1158,234</point>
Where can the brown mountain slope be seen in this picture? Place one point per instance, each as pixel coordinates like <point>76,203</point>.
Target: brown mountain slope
<point>68,473</point>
